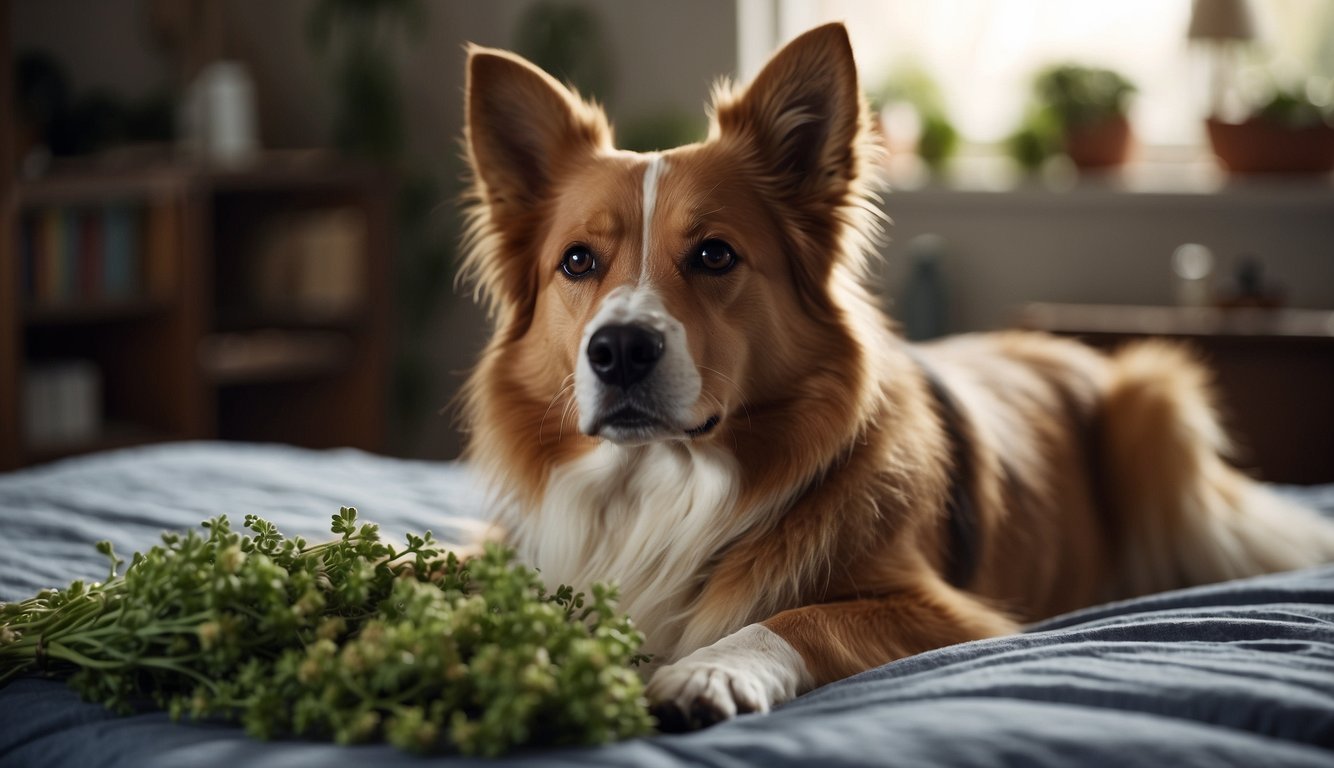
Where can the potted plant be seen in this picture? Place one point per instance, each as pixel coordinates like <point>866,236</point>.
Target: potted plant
<point>1037,139</point>
<point>922,124</point>
<point>1089,107</point>
<point>1290,133</point>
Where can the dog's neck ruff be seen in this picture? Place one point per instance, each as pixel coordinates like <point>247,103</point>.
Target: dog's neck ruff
<point>649,518</point>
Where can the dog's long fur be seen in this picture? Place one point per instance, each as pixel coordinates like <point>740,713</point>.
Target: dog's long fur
<point>783,521</point>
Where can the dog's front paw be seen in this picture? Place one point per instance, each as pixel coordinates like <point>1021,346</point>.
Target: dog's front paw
<point>751,670</point>
<point>689,695</point>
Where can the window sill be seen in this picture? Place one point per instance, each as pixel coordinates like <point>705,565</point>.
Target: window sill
<point>1159,174</point>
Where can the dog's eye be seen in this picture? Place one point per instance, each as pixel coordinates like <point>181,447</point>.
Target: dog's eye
<point>715,256</point>
<point>578,261</point>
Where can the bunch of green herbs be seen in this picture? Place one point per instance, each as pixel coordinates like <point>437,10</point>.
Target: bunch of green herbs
<point>352,639</point>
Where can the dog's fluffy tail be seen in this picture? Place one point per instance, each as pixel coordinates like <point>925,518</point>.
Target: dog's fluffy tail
<point>1184,515</point>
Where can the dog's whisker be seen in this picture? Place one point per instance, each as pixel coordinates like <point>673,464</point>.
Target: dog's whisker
<point>719,405</point>
<point>541,427</point>
<point>567,413</point>
<point>741,401</point>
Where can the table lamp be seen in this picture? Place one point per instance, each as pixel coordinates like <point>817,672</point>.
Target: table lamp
<point>1221,25</point>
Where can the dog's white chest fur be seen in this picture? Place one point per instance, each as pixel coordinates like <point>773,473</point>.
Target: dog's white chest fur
<point>646,517</point>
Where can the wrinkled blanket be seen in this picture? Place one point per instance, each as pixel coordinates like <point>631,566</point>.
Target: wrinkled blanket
<point>1240,673</point>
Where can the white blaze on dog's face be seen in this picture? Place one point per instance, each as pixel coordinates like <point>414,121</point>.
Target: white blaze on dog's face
<point>635,380</point>
<point>662,294</point>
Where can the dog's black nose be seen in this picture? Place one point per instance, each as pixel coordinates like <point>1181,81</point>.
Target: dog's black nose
<point>622,355</point>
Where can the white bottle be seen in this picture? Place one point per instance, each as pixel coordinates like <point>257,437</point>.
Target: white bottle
<point>218,115</point>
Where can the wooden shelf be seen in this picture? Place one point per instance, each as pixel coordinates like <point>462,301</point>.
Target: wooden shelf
<point>272,356</point>
<point>87,182</point>
<point>291,171</point>
<point>113,435</point>
<point>291,317</point>
<point>11,345</point>
<point>98,188</point>
<point>70,314</point>
<point>1184,322</point>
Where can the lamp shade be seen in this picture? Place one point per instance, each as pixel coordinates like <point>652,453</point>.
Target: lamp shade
<point>1221,20</point>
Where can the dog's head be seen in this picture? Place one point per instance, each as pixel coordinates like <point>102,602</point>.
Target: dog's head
<point>667,296</point>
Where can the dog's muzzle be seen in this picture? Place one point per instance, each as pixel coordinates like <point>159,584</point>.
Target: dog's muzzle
<point>635,380</point>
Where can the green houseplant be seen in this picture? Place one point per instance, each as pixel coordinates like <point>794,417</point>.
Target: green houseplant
<point>355,40</point>
<point>937,139</point>
<point>1289,133</point>
<point>1079,110</point>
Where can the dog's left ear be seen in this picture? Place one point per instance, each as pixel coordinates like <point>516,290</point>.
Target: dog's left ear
<point>524,130</point>
<point>803,112</point>
<point>523,126</point>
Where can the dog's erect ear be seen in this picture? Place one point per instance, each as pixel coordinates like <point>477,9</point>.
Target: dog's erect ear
<point>522,126</point>
<point>804,112</point>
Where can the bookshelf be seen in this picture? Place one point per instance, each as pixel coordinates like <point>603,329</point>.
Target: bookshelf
<point>10,376</point>
<point>199,303</point>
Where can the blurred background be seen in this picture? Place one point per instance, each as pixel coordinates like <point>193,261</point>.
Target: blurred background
<point>237,219</point>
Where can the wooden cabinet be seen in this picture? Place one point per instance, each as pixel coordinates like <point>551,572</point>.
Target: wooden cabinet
<point>256,307</point>
<point>1273,372</point>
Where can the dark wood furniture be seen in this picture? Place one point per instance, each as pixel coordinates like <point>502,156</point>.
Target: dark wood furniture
<point>9,375</point>
<point>190,356</point>
<point>1274,373</point>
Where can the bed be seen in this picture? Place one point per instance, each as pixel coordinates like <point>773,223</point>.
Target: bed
<point>1233,674</point>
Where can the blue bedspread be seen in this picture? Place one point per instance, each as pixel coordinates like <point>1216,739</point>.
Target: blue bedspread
<point>1234,674</point>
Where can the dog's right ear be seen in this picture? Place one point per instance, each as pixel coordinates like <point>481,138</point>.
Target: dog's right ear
<point>522,126</point>
<point>803,115</point>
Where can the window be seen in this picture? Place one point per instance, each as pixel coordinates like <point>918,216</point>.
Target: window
<point>983,53</point>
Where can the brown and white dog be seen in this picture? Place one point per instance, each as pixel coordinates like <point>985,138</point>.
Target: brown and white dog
<point>690,392</point>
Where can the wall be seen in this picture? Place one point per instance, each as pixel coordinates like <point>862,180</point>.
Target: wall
<point>110,45</point>
<point>666,56</point>
<point>1098,245</point>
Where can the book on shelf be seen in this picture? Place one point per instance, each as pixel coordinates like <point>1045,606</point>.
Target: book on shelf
<point>98,253</point>
<point>161,245</point>
<point>47,255</point>
<point>91,250</point>
<point>120,265</point>
<point>314,260</point>
<point>62,403</point>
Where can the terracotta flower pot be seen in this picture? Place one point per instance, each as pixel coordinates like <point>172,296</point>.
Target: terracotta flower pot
<point>1263,146</point>
<point>1104,144</point>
